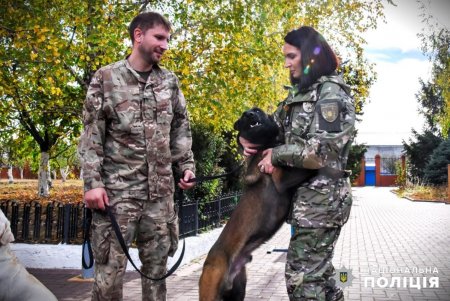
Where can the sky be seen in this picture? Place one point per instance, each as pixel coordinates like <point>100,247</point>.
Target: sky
<point>395,48</point>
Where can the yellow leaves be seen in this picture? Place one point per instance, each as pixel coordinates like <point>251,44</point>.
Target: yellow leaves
<point>41,38</point>
<point>33,55</point>
<point>185,70</point>
<point>55,91</point>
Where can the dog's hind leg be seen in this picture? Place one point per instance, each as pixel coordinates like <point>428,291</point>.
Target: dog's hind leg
<point>237,292</point>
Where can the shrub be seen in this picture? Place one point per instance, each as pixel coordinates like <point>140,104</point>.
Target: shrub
<point>418,153</point>
<point>401,174</point>
<point>436,171</point>
<point>208,148</point>
<point>355,156</point>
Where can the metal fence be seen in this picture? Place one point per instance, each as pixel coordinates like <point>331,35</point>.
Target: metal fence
<point>388,165</point>
<point>58,222</point>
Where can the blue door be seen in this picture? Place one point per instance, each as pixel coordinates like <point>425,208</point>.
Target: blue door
<point>370,176</point>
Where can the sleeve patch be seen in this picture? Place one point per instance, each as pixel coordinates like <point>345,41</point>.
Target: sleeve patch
<point>329,112</point>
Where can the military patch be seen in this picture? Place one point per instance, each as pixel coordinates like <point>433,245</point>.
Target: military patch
<point>308,107</point>
<point>330,111</point>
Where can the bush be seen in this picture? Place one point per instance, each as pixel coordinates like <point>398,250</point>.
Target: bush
<point>436,171</point>
<point>418,153</point>
<point>208,148</point>
<point>355,156</point>
<point>401,174</point>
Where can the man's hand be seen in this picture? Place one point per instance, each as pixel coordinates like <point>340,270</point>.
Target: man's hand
<point>96,198</point>
<point>249,148</point>
<point>184,180</point>
<point>265,165</point>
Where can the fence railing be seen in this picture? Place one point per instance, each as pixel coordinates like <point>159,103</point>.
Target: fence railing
<point>58,222</point>
<point>388,165</point>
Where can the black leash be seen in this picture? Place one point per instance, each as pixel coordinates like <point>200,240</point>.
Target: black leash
<point>122,243</point>
<point>209,178</point>
<point>116,228</point>
<point>87,241</point>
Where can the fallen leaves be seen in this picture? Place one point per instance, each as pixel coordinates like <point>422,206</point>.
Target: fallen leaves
<point>25,191</point>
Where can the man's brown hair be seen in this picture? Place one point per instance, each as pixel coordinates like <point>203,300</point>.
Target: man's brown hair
<point>145,21</point>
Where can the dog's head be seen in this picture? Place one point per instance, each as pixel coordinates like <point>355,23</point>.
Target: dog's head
<point>257,127</point>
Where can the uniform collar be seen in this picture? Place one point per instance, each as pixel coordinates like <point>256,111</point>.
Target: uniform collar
<point>154,77</point>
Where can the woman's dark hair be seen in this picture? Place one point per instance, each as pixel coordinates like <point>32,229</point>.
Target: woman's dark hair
<point>317,57</point>
<point>145,21</point>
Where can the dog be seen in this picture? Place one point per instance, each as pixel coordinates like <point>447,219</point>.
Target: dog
<point>262,209</point>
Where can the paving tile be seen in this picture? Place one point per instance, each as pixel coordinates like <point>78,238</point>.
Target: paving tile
<point>383,231</point>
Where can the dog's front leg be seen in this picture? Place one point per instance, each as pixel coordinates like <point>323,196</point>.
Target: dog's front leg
<point>215,271</point>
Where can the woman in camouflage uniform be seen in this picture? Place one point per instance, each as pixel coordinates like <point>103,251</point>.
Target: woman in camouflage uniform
<point>316,122</point>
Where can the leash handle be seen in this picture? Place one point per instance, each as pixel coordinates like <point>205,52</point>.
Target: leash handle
<point>87,241</point>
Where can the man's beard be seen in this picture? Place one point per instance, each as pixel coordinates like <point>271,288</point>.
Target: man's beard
<point>147,55</point>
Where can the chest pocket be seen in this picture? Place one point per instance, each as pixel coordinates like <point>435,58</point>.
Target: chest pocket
<point>163,108</point>
<point>302,115</point>
<point>123,111</point>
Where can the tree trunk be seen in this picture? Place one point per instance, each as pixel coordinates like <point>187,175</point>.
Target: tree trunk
<point>64,172</point>
<point>54,174</point>
<point>21,172</point>
<point>49,177</point>
<point>10,175</point>
<point>44,169</point>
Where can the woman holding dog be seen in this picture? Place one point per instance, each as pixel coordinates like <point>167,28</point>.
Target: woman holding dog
<point>316,123</point>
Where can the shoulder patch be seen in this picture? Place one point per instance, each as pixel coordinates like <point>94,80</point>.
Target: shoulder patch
<point>329,111</point>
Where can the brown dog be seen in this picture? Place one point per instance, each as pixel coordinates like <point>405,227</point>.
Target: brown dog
<point>262,209</point>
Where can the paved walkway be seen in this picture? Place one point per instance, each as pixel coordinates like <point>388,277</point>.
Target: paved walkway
<point>386,245</point>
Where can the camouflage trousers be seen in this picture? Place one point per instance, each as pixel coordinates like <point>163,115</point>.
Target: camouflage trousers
<point>156,236</point>
<point>309,268</point>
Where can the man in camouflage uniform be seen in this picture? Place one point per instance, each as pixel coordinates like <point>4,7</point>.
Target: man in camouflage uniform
<point>316,121</point>
<point>15,282</point>
<point>136,129</point>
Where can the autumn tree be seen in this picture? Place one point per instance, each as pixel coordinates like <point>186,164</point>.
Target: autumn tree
<point>435,93</point>
<point>49,51</point>
<point>227,55</point>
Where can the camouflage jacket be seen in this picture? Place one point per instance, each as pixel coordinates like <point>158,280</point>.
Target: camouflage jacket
<point>317,128</point>
<point>134,131</point>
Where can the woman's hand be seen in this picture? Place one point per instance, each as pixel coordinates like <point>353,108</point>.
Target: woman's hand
<point>265,165</point>
<point>250,149</point>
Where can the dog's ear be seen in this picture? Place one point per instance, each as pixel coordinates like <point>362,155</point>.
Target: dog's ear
<point>273,127</point>
<point>288,177</point>
<point>237,125</point>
